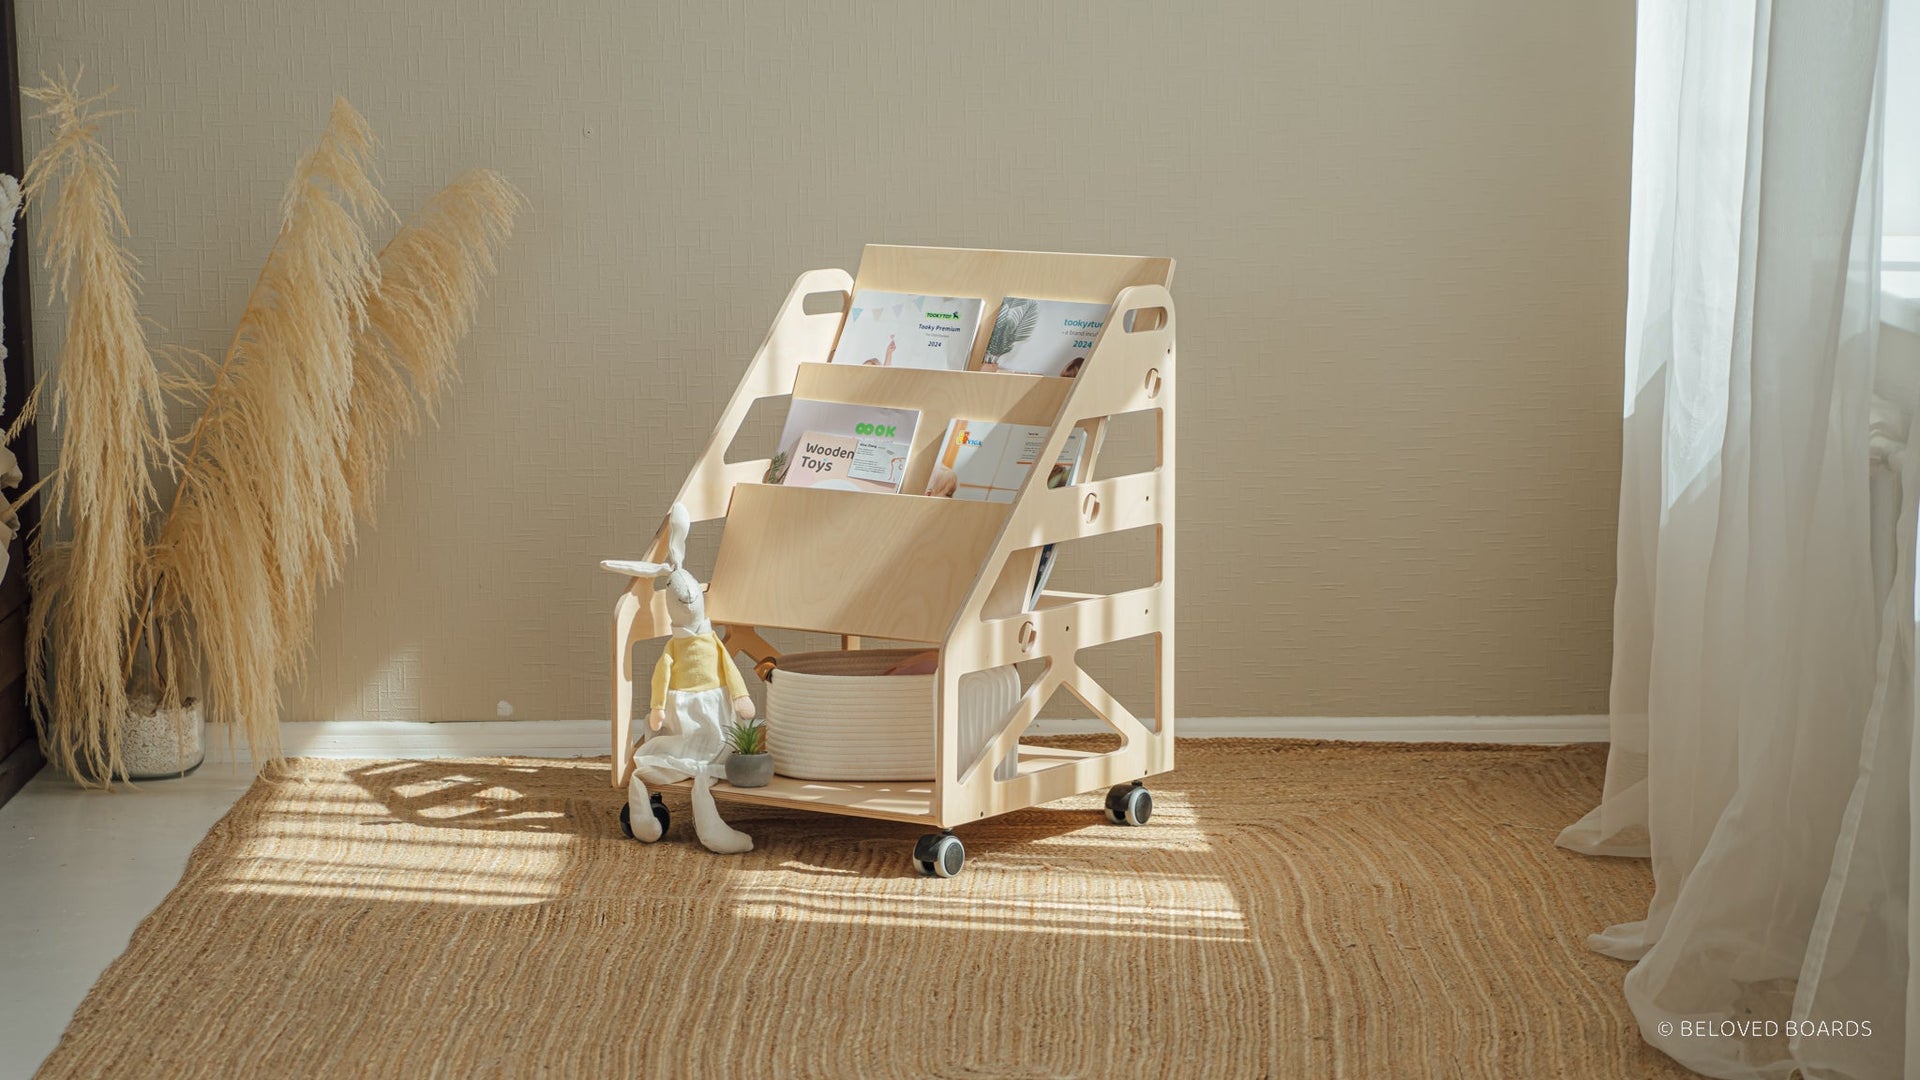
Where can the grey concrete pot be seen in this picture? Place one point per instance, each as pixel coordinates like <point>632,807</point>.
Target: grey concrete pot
<point>749,770</point>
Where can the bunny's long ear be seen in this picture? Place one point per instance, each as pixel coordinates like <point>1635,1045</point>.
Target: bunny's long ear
<point>678,525</point>
<point>636,568</point>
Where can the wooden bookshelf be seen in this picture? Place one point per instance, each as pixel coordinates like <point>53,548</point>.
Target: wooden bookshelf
<point>951,574</point>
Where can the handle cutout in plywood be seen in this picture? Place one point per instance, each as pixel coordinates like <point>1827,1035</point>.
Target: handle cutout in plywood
<point>832,302</point>
<point>759,431</point>
<point>1144,320</point>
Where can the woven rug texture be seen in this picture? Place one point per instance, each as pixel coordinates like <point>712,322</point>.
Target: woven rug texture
<point>1293,910</point>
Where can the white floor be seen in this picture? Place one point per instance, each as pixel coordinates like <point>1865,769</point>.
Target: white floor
<point>78,871</point>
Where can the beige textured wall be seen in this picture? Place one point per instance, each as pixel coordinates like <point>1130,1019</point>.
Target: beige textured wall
<point>1400,225</point>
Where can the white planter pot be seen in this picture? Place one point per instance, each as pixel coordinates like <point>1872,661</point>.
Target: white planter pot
<point>160,744</point>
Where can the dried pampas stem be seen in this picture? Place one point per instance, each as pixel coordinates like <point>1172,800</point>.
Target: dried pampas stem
<point>431,274</point>
<point>338,354</point>
<point>255,528</point>
<point>107,400</point>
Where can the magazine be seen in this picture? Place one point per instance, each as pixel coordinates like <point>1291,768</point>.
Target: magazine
<point>987,462</point>
<point>1043,337</point>
<point>830,444</point>
<point>886,329</point>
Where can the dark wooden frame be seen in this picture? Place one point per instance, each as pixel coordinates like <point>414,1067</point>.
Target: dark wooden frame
<point>19,746</point>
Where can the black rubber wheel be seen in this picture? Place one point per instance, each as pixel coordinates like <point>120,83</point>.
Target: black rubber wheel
<point>939,855</point>
<point>1130,804</point>
<point>660,815</point>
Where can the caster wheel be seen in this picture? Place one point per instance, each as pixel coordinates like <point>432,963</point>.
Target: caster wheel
<point>1129,804</point>
<point>659,814</point>
<point>939,855</point>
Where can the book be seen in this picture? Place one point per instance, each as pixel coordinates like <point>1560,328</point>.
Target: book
<point>886,329</point>
<point>1043,566</point>
<point>987,462</point>
<point>830,444</point>
<point>1042,570</point>
<point>1043,337</point>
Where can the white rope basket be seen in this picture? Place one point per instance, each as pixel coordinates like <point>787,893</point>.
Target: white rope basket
<point>838,716</point>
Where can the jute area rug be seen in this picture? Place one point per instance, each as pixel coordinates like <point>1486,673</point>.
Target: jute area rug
<point>1293,910</point>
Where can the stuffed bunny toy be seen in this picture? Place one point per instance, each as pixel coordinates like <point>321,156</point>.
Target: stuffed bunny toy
<point>697,691</point>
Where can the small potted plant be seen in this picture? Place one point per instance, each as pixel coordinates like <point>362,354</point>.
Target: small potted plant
<point>749,765</point>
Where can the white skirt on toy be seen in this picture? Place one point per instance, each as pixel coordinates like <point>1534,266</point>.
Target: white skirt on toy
<point>692,742</point>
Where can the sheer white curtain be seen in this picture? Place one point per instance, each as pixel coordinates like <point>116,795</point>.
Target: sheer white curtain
<point>1763,698</point>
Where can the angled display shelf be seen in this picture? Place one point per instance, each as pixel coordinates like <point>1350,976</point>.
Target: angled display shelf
<point>952,574</point>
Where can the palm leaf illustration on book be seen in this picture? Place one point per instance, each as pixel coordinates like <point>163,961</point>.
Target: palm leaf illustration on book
<point>834,445</point>
<point>1018,316</point>
<point>1043,337</point>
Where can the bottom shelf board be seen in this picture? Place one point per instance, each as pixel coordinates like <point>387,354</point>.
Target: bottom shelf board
<point>886,800</point>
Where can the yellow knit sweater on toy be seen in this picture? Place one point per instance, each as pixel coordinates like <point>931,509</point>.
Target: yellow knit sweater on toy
<point>695,662</point>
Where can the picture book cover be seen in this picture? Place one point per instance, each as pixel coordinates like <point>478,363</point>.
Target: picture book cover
<point>1043,337</point>
<point>987,462</point>
<point>886,329</point>
<point>830,444</point>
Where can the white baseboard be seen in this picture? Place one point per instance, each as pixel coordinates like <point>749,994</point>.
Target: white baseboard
<point>1534,730</point>
<point>588,738</point>
<point>416,739</point>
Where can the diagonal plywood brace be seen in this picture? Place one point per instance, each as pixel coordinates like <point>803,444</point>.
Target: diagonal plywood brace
<point>1021,717</point>
<point>1107,708</point>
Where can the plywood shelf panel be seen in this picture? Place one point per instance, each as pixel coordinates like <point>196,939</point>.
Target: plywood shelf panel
<point>996,275</point>
<point>849,562</point>
<point>885,800</point>
<point>940,397</point>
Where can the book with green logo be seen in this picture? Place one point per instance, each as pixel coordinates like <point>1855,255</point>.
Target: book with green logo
<point>886,329</point>
<point>830,444</point>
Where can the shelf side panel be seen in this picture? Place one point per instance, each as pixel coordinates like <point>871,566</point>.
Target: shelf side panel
<point>849,562</point>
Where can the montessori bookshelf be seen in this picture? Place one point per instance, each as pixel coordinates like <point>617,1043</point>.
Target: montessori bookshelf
<point>943,572</point>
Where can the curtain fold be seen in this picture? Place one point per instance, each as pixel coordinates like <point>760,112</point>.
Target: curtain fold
<point>1762,694</point>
